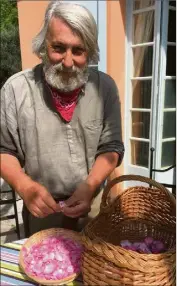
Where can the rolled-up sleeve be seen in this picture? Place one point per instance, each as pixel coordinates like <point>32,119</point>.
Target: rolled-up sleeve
<point>10,140</point>
<point>111,136</point>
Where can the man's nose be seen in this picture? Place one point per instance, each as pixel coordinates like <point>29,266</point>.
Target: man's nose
<point>68,59</point>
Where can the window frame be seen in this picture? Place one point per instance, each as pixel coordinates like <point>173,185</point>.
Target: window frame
<point>157,85</point>
<point>168,177</point>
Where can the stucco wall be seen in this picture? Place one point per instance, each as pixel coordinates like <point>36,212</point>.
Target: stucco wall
<point>116,52</point>
<point>31,14</point>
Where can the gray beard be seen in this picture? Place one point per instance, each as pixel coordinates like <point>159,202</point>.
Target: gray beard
<point>64,79</point>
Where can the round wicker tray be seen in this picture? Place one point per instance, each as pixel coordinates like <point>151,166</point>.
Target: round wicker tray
<point>40,236</point>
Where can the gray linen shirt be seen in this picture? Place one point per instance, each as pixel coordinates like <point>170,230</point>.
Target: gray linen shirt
<point>53,152</point>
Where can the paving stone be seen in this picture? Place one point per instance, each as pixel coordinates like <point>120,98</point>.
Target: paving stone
<point>7,226</point>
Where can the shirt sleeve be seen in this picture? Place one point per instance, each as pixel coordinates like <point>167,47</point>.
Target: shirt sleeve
<point>111,136</point>
<point>10,139</point>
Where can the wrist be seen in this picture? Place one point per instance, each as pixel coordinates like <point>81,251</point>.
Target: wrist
<point>93,183</point>
<point>22,183</point>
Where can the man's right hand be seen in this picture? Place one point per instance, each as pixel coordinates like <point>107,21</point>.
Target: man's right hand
<point>36,197</point>
<point>38,200</point>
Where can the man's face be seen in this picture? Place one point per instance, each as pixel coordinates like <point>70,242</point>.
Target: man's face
<point>65,64</point>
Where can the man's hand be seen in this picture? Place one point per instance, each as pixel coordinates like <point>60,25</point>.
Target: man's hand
<point>38,200</point>
<point>80,202</point>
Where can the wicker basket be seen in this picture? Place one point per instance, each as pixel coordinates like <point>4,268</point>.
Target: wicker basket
<point>40,236</point>
<point>136,213</point>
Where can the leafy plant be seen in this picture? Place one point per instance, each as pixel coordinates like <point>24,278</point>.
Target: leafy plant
<point>10,44</point>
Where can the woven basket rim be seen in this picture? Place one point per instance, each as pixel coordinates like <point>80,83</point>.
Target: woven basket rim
<point>144,189</point>
<point>49,232</point>
<point>154,186</point>
<point>131,190</point>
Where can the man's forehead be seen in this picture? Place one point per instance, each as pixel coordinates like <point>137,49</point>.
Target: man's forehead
<point>59,31</point>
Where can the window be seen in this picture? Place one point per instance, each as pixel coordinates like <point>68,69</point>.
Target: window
<point>151,84</point>
<point>168,156</point>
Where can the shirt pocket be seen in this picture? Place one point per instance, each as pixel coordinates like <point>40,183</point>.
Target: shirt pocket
<point>92,133</point>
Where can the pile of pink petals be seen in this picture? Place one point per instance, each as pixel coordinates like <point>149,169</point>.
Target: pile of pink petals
<point>149,245</point>
<point>54,258</point>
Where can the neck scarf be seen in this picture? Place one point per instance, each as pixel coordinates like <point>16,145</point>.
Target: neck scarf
<point>65,103</point>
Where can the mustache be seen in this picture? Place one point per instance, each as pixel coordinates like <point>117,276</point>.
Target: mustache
<point>61,68</point>
<point>63,78</point>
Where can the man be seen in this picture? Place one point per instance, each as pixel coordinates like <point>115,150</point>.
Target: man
<point>60,122</point>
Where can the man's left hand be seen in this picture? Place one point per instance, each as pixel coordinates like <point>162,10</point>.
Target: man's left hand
<point>79,203</point>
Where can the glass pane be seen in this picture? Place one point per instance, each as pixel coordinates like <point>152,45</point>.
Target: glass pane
<point>142,61</point>
<point>168,154</point>
<point>139,153</point>
<point>169,124</point>
<point>140,124</point>
<point>143,27</point>
<point>140,4</point>
<point>172,3</point>
<point>172,26</point>
<point>170,93</point>
<point>171,60</point>
<point>141,94</point>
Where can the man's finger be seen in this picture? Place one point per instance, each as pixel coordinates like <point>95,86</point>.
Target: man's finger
<point>72,201</point>
<point>50,202</point>
<point>37,212</point>
<point>43,207</point>
<point>75,211</point>
<point>34,214</point>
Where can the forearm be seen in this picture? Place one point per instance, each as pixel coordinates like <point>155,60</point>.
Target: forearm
<point>13,174</point>
<point>102,168</point>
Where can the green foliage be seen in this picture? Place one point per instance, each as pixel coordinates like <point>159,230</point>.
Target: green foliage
<point>8,13</point>
<point>10,45</point>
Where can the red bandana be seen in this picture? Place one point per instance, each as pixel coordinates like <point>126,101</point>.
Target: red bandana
<point>65,103</point>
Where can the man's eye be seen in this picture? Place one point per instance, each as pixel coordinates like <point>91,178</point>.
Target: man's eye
<point>77,51</point>
<point>59,49</point>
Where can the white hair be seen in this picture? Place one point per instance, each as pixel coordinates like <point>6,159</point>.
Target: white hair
<point>79,19</point>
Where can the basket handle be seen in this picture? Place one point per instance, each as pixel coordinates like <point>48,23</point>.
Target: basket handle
<point>104,202</point>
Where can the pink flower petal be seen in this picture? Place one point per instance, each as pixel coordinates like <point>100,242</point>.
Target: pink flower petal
<point>49,268</point>
<point>54,258</point>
